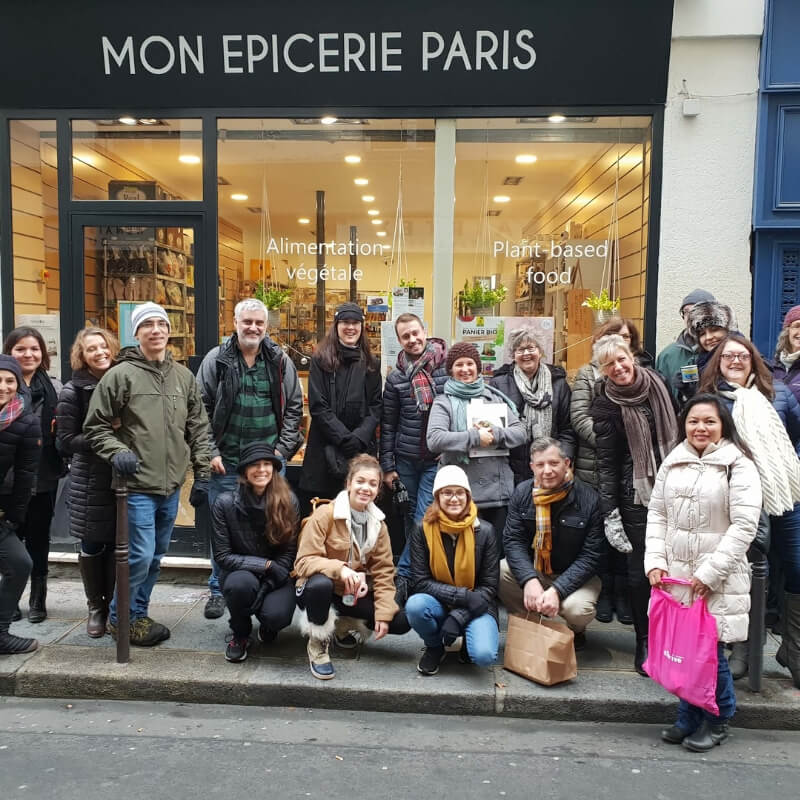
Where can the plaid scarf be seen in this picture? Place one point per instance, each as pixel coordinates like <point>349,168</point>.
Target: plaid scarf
<point>11,411</point>
<point>543,539</point>
<point>420,372</point>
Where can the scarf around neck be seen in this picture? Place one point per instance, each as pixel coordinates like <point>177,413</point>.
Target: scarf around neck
<point>11,410</point>
<point>788,359</point>
<point>420,373</point>
<point>543,539</point>
<point>537,392</point>
<point>43,391</point>
<point>647,389</point>
<point>464,561</point>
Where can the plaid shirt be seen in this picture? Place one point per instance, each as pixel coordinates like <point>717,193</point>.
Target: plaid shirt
<point>252,417</point>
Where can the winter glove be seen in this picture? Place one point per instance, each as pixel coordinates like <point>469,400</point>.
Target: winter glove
<point>450,630</point>
<point>400,499</point>
<point>7,527</point>
<point>125,463</point>
<point>278,574</point>
<point>263,590</point>
<point>615,533</point>
<point>350,446</point>
<point>477,604</point>
<point>199,494</point>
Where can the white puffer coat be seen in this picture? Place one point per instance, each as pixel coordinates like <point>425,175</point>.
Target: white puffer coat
<point>702,516</point>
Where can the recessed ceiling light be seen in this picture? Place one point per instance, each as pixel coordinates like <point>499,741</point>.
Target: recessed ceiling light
<point>127,120</point>
<point>367,198</point>
<point>353,159</point>
<point>556,118</point>
<point>380,233</point>
<point>525,158</point>
<point>360,181</point>
<point>188,158</point>
<point>501,198</point>
<point>303,220</point>
<point>239,196</point>
<point>373,212</point>
<point>376,221</point>
<point>328,120</point>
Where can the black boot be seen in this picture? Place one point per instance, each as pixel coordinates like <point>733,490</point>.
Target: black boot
<point>605,603</point>
<point>93,573</point>
<point>706,737</point>
<point>17,615</point>
<point>640,597</point>
<point>37,611</point>
<point>622,604</point>
<point>640,656</point>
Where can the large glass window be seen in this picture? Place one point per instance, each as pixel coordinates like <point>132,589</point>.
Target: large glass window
<point>131,158</point>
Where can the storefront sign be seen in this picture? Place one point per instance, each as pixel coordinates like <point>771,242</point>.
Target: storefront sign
<point>237,54</point>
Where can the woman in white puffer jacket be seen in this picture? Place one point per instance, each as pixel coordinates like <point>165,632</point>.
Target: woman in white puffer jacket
<point>702,516</point>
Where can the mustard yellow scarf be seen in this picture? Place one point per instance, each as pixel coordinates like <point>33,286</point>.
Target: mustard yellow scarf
<point>543,539</point>
<point>465,548</point>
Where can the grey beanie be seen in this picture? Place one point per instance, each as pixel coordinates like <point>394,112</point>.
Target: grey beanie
<point>697,296</point>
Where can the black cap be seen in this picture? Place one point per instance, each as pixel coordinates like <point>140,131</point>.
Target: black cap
<point>10,364</point>
<point>258,451</point>
<point>348,311</point>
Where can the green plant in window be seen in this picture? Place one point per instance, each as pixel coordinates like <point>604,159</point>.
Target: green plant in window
<point>272,297</point>
<point>480,297</point>
<point>601,302</point>
<point>407,283</point>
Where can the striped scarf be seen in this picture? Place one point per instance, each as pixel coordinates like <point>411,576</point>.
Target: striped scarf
<point>543,539</point>
<point>11,411</point>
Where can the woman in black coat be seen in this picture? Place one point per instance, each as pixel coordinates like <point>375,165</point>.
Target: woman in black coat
<point>91,500</point>
<point>541,395</point>
<point>20,446</point>
<point>28,347</point>
<point>255,544</point>
<point>344,401</point>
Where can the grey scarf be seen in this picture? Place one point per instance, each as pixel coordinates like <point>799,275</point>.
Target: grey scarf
<point>537,393</point>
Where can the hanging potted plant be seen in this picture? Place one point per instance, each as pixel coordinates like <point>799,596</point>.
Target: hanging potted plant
<point>480,300</point>
<point>602,305</point>
<point>274,298</point>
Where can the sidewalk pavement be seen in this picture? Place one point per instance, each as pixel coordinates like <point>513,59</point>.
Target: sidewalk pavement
<point>190,667</point>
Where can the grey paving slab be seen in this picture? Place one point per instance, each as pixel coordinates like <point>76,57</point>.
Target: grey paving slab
<point>50,631</point>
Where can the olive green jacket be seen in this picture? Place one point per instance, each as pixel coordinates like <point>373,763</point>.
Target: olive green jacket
<point>155,410</point>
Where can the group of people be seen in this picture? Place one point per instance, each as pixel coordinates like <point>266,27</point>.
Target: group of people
<point>574,502</point>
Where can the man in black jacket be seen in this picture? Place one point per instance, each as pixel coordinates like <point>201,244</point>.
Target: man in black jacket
<point>251,393</point>
<point>553,542</point>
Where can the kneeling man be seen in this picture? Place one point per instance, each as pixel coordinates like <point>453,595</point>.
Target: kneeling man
<point>554,542</point>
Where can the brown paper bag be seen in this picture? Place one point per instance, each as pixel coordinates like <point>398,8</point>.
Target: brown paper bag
<point>540,649</point>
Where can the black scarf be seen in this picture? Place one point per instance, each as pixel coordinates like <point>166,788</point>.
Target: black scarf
<point>351,395</point>
<point>43,391</point>
<point>254,508</point>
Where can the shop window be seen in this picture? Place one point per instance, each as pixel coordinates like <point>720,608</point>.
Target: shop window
<point>34,221</point>
<point>556,211</point>
<point>128,158</point>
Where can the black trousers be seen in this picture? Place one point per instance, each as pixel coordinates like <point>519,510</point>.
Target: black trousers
<point>496,517</point>
<point>634,520</point>
<point>35,530</point>
<point>240,589</point>
<point>15,566</point>
<point>317,596</point>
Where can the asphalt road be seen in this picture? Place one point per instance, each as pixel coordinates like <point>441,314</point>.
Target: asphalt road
<point>82,750</point>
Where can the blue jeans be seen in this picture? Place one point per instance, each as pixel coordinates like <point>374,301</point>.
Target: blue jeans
<point>151,518</point>
<point>217,484</point>
<point>426,616</point>
<point>417,477</point>
<point>786,541</point>
<point>690,717</point>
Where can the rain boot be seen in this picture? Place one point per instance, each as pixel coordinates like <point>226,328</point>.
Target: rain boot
<point>93,573</point>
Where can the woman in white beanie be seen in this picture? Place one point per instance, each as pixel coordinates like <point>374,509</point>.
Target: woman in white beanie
<point>455,572</point>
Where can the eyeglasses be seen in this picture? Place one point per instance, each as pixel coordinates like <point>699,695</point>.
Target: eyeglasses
<point>449,494</point>
<point>523,351</point>
<point>743,357</point>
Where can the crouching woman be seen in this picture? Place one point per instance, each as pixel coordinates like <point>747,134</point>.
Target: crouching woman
<point>344,566</point>
<point>455,571</point>
<point>255,542</point>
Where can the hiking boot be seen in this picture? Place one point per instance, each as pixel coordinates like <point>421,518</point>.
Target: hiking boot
<point>215,607</point>
<point>706,737</point>
<point>430,660</point>
<point>144,632</point>
<point>673,735</point>
<point>738,660</point>
<point>237,649</point>
<point>319,659</point>
<point>37,610</point>
<point>11,645</point>
<point>162,631</point>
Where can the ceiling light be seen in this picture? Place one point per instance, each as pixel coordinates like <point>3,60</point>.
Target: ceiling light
<point>127,120</point>
<point>149,121</point>
<point>380,233</point>
<point>188,158</point>
<point>367,198</point>
<point>360,181</point>
<point>328,120</point>
<point>376,221</point>
<point>238,196</point>
<point>373,212</point>
<point>525,158</point>
<point>501,198</point>
<point>353,159</point>
<point>556,118</point>
<point>303,220</point>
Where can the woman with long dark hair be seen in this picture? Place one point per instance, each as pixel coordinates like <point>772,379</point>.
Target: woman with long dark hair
<point>344,402</point>
<point>702,516</point>
<point>28,347</point>
<point>255,543</point>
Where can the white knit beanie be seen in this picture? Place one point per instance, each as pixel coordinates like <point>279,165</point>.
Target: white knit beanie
<point>451,475</point>
<point>147,311</point>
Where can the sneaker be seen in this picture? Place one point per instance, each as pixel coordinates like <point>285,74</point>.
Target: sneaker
<point>237,649</point>
<point>580,641</point>
<point>430,660</point>
<point>11,645</point>
<point>319,659</point>
<point>215,607</point>
<point>147,633</point>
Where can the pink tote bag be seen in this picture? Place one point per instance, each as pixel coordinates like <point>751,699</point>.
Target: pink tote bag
<point>682,648</point>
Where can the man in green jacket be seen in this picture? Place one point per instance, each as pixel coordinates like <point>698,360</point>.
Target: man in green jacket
<point>147,419</point>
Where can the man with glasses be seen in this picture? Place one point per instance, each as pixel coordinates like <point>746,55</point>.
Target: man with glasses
<point>554,542</point>
<point>252,394</point>
<point>683,351</point>
<point>146,417</point>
